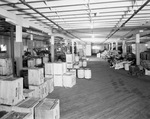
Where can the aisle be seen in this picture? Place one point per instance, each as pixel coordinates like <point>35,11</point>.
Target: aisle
<point>110,94</point>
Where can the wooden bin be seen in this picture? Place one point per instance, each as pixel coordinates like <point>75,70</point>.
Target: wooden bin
<point>27,106</point>
<point>35,76</point>
<point>48,109</point>
<point>17,115</point>
<point>11,91</point>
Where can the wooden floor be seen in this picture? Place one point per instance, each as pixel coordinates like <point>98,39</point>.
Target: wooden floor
<point>110,94</point>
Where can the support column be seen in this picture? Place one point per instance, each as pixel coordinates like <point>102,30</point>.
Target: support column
<point>124,50</point>
<point>112,46</point>
<point>137,49</point>
<point>31,43</point>
<point>109,46</point>
<point>116,45</point>
<point>12,48</point>
<point>18,49</point>
<point>52,40</point>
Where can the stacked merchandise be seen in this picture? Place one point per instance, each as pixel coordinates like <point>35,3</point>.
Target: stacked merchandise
<point>83,71</point>
<point>59,70</point>
<point>19,103</point>
<point>11,93</point>
<point>69,60</point>
<point>5,66</point>
<point>37,82</point>
<point>62,77</point>
<point>49,75</point>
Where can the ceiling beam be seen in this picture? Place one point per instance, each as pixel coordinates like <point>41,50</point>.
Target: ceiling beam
<point>113,32</point>
<point>23,2</point>
<point>60,6</point>
<point>79,10</point>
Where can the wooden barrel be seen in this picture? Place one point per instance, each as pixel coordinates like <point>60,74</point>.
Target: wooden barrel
<point>80,63</point>
<point>80,73</point>
<point>84,63</point>
<point>87,73</point>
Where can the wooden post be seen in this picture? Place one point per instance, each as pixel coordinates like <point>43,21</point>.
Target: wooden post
<point>12,48</point>
<point>137,49</point>
<point>18,49</point>
<point>52,48</point>
<point>112,46</point>
<point>116,45</point>
<point>124,47</point>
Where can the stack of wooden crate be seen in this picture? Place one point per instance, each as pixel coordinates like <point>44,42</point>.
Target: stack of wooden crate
<point>11,93</point>
<point>37,82</point>
<point>69,61</point>
<point>59,70</point>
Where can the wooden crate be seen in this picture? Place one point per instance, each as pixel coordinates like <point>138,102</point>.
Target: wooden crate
<point>69,65</point>
<point>58,80</point>
<point>5,66</point>
<point>69,58</point>
<point>35,76</point>
<point>68,80</point>
<point>27,105</point>
<point>58,68</point>
<point>45,59</point>
<point>31,63</point>
<point>41,91</point>
<point>17,115</point>
<point>11,91</point>
<point>64,67</point>
<point>48,109</point>
<point>28,93</point>
<point>50,82</point>
<point>49,68</point>
<point>38,61</point>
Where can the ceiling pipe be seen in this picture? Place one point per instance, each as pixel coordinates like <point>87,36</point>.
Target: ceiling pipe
<point>128,19</point>
<point>23,2</point>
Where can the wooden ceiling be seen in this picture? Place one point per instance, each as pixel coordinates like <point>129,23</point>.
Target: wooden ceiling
<point>90,20</point>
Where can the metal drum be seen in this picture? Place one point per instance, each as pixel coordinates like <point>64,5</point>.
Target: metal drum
<point>87,73</point>
<point>84,63</point>
<point>126,66</point>
<point>81,73</point>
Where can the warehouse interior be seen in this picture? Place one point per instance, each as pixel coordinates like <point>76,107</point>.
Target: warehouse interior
<point>79,59</point>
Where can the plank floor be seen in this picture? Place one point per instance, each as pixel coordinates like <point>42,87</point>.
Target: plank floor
<point>110,94</point>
